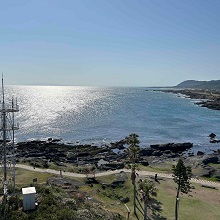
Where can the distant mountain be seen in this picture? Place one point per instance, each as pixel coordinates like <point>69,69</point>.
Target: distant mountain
<point>194,84</point>
<point>190,83</point>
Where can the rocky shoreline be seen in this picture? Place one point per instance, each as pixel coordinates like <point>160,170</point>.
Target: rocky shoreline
<point>209,98</point>
<point>40,153</point>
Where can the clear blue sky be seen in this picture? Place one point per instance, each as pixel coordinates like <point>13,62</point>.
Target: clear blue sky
<point>109,43</point>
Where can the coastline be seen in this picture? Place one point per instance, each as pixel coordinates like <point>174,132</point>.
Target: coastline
<point>208,98</point>
<point>77,158</point>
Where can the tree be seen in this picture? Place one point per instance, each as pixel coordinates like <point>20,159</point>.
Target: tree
<point>147,189</point>
<point>181,176</point>
<point>133,153</point>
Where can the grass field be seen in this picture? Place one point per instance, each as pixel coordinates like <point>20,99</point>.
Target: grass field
<point>160,168</point>
<point>25,177</point>
<point>200,204</point>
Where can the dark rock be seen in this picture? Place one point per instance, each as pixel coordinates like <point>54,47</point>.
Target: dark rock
<point>146,151</point>
<point>144,163</point>
<point>92,180</point>
<point>112,166</point>
<point>181,147</point>
<point>212,135</point>
<point>210,159</point>
<point>217,151</point>
<point>200,153</point>
<point>178,147</point>
<point>207,171</point>
<point>125,200</point>
<point>105,185</point>
<point>211,104</point>
<point>210,187</point>
<point>119,145</point>
<point>83,154</point>
<point>168,152</point>
<point>173,155</point>
<point>56,140</point>
<point>155,146</point>
<point>116,183</point>
<point>214,141</point>
<point>190,154</point>
<point>157,153</point>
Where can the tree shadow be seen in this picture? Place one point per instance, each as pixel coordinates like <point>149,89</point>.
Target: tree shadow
<point>156,209</point>
<point>154,206</point>
<point>157,180</point>
<point>136,216</point>
<point>139,208</point>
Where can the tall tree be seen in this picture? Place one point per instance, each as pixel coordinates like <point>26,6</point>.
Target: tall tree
<point>147,189</point>
<point>181,176</point>
<point>133,153</point>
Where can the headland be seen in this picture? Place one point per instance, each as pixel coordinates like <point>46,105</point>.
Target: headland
<point>207,92</point>
<point>207,98</point>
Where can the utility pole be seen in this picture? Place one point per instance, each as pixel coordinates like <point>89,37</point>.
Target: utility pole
<point>7,146</point>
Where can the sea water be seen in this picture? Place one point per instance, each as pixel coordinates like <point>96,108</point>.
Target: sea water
<point>102,115</point>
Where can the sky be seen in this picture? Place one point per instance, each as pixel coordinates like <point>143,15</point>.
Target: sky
<point>109,42</point>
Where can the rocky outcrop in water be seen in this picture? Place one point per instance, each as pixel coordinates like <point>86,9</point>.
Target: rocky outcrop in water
<point>62,153</point>
<point>172,147</point>
<point>212,104</point>
<point>40,153</point>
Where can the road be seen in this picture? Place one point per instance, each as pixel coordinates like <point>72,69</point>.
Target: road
<point>106,173</point>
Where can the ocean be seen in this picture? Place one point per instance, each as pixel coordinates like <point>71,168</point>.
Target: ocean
<point>104,115</point>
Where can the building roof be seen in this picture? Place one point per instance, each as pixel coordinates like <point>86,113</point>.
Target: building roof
<point>28,190</point>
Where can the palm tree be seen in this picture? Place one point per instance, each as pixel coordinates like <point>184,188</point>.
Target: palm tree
<point>133,152</point>
<point>146,189</point>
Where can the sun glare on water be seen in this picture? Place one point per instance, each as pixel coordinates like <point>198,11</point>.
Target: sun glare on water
<point>46,107</point>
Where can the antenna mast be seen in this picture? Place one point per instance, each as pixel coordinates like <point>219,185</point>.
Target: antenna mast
<point>7,128</point>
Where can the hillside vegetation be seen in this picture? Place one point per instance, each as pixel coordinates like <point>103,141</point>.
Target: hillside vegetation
<point>210,85</point>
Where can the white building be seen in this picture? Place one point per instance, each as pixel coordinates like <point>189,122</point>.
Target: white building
<point>28,198</point>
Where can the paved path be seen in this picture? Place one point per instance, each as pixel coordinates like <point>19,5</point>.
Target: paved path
<point>106,173</point>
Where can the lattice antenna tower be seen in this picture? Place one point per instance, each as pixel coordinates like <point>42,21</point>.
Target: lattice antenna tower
<point>7,144</point>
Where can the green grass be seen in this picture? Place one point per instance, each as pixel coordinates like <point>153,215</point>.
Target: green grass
<point>213,178</point>
<point>25,177</point>
<point>200,204</point>
<point>195,208</point>
<point>70,168</point>
<point>162,168</point>
<point>214,165</point>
